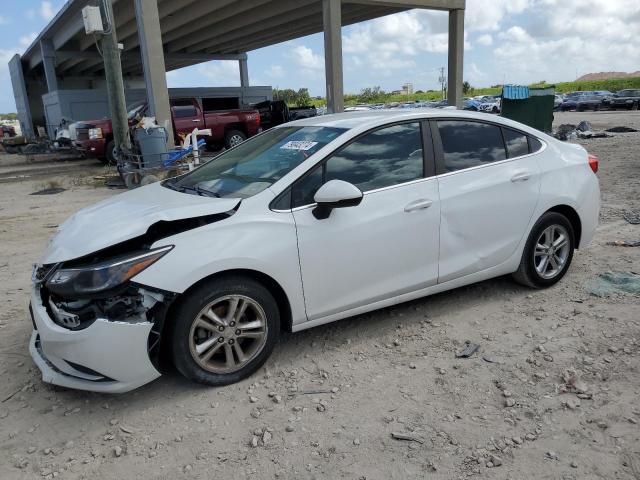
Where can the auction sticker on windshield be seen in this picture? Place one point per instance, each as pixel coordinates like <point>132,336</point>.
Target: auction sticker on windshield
<point>299,145</point>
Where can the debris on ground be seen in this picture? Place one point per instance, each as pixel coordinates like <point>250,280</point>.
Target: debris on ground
<point>407,437</point>
<point>570,132</point>
<point>469,349</point>
<point>584,126</point>
<point>607,284</point>
<point>632,217</point>
<point>564,131</point>
<point>625,243</point>
<point>621,130</point>
<point>49,191</point>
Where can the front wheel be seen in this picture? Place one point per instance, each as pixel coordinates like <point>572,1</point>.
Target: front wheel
<point>547,253</point>
<point>110,154</point>
<point>225,329</point>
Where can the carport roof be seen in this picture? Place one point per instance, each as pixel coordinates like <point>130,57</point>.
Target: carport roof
<point>195,31</point>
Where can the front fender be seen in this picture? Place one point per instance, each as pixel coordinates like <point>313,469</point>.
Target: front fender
<point>265,243</point>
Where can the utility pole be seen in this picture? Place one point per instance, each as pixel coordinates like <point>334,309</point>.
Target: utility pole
<point>443,80</point>
<point>115,83</point>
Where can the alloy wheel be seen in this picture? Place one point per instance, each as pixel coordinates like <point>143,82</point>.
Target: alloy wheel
<point>235,140</point>
<point>228,333</point>
<point>552,251</point>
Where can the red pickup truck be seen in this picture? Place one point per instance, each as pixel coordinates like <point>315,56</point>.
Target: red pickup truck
<point>228,127</point>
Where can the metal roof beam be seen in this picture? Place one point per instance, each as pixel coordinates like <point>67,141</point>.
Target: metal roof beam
<point>282,13</point>
<point>425,4</point>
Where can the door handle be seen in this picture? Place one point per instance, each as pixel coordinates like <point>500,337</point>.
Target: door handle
<point>195,120</point>
<point>418,205</point>
<point>521,177</point>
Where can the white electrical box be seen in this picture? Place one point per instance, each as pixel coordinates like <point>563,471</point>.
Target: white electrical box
<point>92,20</point>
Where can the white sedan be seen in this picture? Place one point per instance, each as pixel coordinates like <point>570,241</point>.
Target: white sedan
<point>307,223</point>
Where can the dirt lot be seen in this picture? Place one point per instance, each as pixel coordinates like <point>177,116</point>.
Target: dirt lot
<point>327,402</point>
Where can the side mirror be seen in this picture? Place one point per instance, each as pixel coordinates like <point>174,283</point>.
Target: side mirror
<point>335,194</point>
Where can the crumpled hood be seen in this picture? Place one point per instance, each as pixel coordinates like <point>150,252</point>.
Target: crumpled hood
<point>126,216</point>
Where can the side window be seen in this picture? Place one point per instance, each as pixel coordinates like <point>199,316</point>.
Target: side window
<point>304,189</point>
<point>181,111</point>
<point>382,158</point>
<point>534,144</point>
<point>468,144</point>
<point>517,143</point>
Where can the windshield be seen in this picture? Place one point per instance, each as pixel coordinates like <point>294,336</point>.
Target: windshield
<point>134,109</point>
<point>256,164</point>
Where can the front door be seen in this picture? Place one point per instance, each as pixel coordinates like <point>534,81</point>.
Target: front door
<point>384,247</point>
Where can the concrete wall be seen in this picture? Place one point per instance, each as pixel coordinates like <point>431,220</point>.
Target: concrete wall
<point>87,104</point>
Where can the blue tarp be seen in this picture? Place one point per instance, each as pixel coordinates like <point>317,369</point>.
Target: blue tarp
<point>515,92</point>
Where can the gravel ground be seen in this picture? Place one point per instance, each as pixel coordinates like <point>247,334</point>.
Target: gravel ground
<point>552,393</point>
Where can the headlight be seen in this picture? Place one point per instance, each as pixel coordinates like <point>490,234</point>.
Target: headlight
<point>95,133</point>
<point>78,282</point>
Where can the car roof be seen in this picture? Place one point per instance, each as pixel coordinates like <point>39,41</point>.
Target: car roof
<point>364,120</point>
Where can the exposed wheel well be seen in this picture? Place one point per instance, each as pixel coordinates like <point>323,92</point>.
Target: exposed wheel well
<point>573,217</point>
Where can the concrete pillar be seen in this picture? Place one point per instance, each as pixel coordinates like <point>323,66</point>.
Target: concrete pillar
<point>20,94</point>
<point>49,64</point>
<point>332,16</point>
<point>456,56</point>
<point>153,65</point>
<point>244,73</point>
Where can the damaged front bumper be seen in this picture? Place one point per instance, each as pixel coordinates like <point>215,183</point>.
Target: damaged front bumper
<point>107,356</point>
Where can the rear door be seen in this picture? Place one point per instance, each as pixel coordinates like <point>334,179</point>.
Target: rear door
<point>187,115</point>
<point>489,186</point>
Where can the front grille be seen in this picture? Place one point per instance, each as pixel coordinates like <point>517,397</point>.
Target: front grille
<point>82,134</point>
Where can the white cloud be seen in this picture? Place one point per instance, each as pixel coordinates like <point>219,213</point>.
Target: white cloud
<point>27,40</point>
<point>221,73</point>
<point>485,40</point>
<point>275,71</point>
<point>3,20</point>
<point>488,15</point>
<point>306,59</point>
<point>46,10</point>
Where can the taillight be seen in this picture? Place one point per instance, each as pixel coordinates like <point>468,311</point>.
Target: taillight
<point>257,118</point>
<point>593,163</point>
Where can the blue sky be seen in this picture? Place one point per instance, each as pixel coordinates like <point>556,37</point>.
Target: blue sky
<point>517,41</point>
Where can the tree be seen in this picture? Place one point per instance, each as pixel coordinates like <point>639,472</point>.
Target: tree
<point>371,95</point>
<point>466,87</point>
<point>302,98</point>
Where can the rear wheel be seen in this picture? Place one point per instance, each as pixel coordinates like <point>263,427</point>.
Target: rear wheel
<point>225,330</point>
<point>547,253</point>
<point>233,138</point>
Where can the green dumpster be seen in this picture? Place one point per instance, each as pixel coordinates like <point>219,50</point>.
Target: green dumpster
<point>531,106</point>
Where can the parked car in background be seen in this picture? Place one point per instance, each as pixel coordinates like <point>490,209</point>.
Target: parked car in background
<point>557,101</point>
<point>589,102</point>
<point>308,223</point>
<point>628,98</point>
<point>7,131</point>
<point>490,106</point>
<point>277,112</point>
<point>229,127</point>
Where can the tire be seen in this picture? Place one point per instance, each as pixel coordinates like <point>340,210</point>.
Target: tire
<point>527,273</point>
<point>217,296</point>
<point>233,138</point>
<point>110,154</point>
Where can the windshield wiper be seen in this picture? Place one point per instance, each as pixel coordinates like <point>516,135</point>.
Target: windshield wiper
<point>199,190</point>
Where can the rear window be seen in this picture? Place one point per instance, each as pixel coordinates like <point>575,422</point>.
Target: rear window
<point>517,143</point>
<point>467,144</point>
<point>534,144</point>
